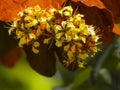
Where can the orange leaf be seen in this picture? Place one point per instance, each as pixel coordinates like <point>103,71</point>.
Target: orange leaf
<point>91,3</point>
<point>10,8</point>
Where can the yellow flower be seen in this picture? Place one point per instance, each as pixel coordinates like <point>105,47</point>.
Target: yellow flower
<point>62,28</point>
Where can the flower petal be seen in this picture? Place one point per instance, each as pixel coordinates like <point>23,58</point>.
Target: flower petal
<point>92,3</point>
<point>10,8</point>
<point>101,18</point>
<point>114,7</point>
<point>44,62</point>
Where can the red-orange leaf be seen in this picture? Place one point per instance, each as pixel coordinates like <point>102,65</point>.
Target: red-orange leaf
<point>10,8</point>
<point>91,3</point>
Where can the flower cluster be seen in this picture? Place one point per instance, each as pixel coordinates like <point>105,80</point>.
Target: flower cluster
<point>61,28</point>
<point>29,26</point>
<point>70,32</point>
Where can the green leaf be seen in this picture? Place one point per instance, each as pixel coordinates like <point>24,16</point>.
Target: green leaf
<point>81,77</point>
<point>104,73</point>
<point>101,57</point>
<point>119,25</point>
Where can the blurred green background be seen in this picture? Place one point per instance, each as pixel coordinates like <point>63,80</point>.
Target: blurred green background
<point>23,77</point>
